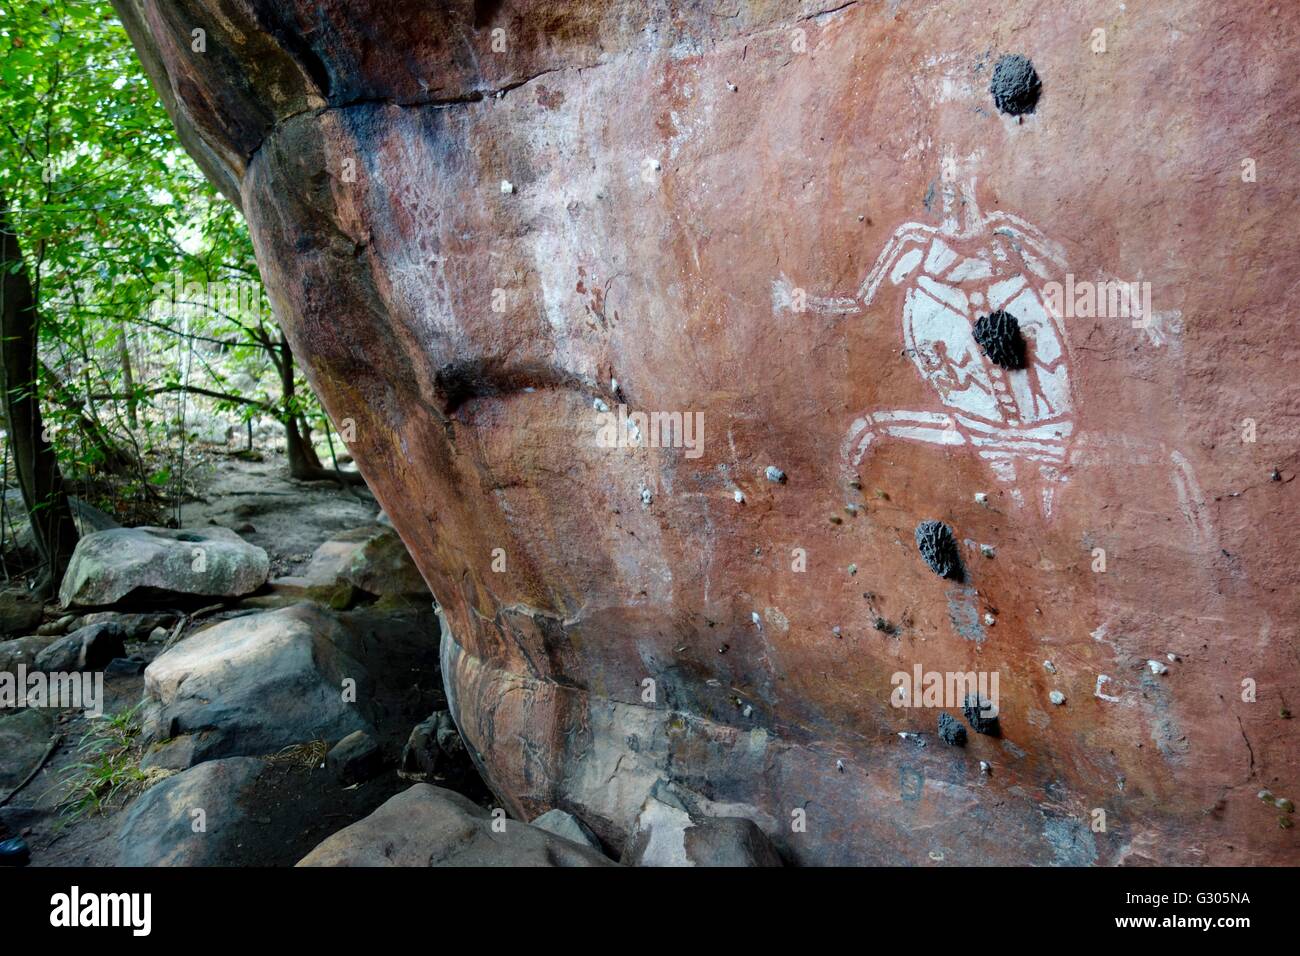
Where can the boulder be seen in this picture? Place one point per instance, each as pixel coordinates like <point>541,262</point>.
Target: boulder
<point>565,824</point>
<point>59,626</point>
<point>433,747</point>
<point>88,648</point>
<point>382,566</point>
<point>24,736</point>
<point>107,566</point>
<point>88,518</point>
<point>355,759</point>
<point>135,627</point>
<point>20,613</point>
<point>190,818</point>
<point>430,826</point>
<point>667,834</point>
<point>790,228</point>
<point>257,683</point>
<point>22,650</point>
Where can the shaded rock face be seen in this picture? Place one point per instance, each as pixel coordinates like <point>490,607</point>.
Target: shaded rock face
<point>109,565</point>
<point>788,223</point>
<point>430,826</point>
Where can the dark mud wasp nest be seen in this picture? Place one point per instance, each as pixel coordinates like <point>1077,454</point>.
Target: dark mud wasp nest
<point>998,334</point>
<point>973,708</point>
<point>939,549</point>
<point>1015,86</point>
<point>950,731</point>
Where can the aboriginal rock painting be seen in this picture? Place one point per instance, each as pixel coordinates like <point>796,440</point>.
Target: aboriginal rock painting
<point>977,327</point>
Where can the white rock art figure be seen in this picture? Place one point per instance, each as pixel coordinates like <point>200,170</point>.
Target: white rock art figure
<point>1019,420</point>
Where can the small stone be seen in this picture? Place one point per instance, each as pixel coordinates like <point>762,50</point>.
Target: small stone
<point>1157,667</point>
<point>758,621</point>
<point>1265,795</point>
<point>1275,475</point>
<point>1049,667</point>
<point>836,519</point>
<point>950,731</point>
<point>989,620</point>
<point>987,550</point>
<point>507,187</point>
<point>1056,697</point>
<point>836,630</point>
<point>839,765</point>
<point>731,87</point>
<point>646,496</point>
<point>855,484</point>
<point>15,852</point>
<point>600,406</point>
<point>853,569</point>
<point>739,496</point>
<point>981,498</point>
<point>1172,657</point>
<point>985,767</point>
<point>775,474</point>
<point>748,711</point>
<point>1282,803</point>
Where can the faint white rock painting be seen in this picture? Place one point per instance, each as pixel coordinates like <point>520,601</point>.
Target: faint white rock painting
<point>1020,421</point>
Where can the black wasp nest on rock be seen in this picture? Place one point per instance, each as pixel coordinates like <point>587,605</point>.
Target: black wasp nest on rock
<point>939,549</point>
<point>998,334</point>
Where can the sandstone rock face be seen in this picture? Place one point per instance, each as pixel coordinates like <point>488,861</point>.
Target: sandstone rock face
<point>483,224</point>
<point>667,834</point>
<point>430,826</point>
<point>109,565</point>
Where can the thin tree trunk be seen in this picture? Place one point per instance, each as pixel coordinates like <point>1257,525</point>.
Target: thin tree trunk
<point>34,460</point>
<point>128,378</point>
<point>303,461</point>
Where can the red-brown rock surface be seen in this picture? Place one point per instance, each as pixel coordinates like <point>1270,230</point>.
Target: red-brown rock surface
<point>785,217</point>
